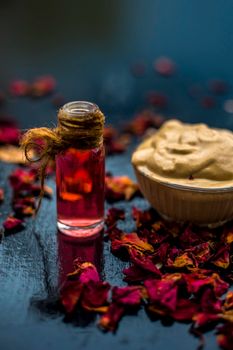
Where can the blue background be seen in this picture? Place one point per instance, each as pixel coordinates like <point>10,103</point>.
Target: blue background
<point>89,46</point>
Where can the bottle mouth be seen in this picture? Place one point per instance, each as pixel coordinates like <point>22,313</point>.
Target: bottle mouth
<point>79,108</point>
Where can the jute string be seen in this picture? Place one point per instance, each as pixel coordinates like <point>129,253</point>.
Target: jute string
<point>79,131</point>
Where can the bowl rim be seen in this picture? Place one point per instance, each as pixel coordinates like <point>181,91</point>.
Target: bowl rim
<point>186,187</point>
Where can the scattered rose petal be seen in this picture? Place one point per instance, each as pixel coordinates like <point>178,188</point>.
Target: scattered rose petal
<point>218,86</point>
<point>143,121</point>
<point>70,295</point>
<point>43,86</point>
<point>109,321</point>
<point>163,293</point>
<point>120,188</point>
<point>129,241</point>
<point>225,336</point>
<point>157,99</point>
<point>164,66</point>
<point>13,224</point>
<point>9,132</point>
<point>1,195</point>
<point>113,215</point>
<point>95,296</point>
<point>208,102</point>
<point>19,88</point>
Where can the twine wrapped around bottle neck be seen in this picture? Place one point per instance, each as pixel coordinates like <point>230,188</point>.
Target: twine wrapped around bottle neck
<point>82,131</point>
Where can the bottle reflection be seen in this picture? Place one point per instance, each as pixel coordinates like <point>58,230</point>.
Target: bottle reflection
<point>70,248</point>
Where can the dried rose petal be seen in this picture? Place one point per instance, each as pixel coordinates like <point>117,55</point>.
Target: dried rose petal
<point>19,88</point>
<point>164,66</point>
<point>43,86</point>
<point>225,336</point>
<point>222,258</point>
<point>185,310</point>
<point>157,99</point>
<point>84,272</point>
<point>195,282</point>
<point>142,218</point>
<point>9,132</point>
<point>210,308</point>
<point>113,143</point>
<point>144,262</point>
<point>128,296</point>
<point>129,241</point>
<point>119,188</point>
<point>136,274</point>
<point>95,296</point>
<point>22,179</point>
<point>200,253</point>
<point>143,121</point>
<point>218,86</point>
<point>182,261</point>
<point>162,292</point>
<point>12,224</point>
<point>70,295</point>
<point>228,302</point>
<point>1,195</point>
<point>113,215</point>
<point>109,321</point>
<point>208,102</point>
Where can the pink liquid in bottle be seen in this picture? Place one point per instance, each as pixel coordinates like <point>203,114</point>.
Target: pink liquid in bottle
<point>80,175</point>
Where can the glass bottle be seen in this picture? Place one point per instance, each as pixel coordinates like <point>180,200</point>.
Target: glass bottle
<point>80,175</point>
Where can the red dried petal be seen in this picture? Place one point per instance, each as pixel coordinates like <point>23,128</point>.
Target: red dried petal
<point>1,195</point>
<point>43,86</point>
<point>142,218</point>
<point>208,102</point>
<point>201,253</point>
<point>113,215</point>
<point>195,282</point>
<point>228,302</point>
<point>12,224</point>
<point>70,295</point>
<point>19,88</point>
<point>143,121</point>
<point>162,292</point>
<point>157,99</point>
<point>185,310</point>
<point>164,66</point>
<point>84,272</point>
<point>222,257</point>
<point>181,261</point>
<point>22,179</point>
<point>113,143</point>
<point>218,86</point>
<point>9,132</point>
<point>109,321</point>
<point>95,296</point>
<point>128,296</point>
<point>136,274</point>
<point>119,188</point>
<point>225,336</point>
<point>129,241</point>
<point>189,238</point>
<point>144,262</point>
